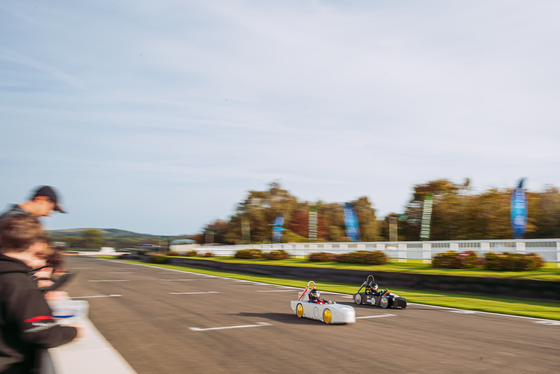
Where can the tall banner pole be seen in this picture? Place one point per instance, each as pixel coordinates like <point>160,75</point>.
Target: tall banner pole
<point>278,228</point>
<point>427,217</point>
<point>351,221</point>
<point>519,211</point>
<point>312,224</point>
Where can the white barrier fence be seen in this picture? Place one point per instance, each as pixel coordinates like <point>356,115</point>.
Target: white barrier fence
<point>548,249</point>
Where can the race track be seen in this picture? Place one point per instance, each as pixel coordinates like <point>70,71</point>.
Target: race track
<point>166,321</point>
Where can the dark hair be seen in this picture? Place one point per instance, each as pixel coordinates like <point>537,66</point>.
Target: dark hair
<point>19,232</point>
<point>55,258</point>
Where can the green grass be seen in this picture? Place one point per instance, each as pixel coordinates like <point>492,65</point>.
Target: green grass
<point>550,271</point>
<point>548,310</point>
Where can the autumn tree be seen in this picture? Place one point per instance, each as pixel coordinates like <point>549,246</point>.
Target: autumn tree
<point>216,231</point>
<point>544,213</point>
<point>439,189</point>
<point>92,238</point>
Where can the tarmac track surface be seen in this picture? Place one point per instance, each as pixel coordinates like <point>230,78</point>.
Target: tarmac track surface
<point>165,321</point>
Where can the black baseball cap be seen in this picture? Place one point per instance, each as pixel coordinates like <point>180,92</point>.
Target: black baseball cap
<point>49,192</point>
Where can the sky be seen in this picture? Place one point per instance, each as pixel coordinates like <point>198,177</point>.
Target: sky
<point>159,116</point>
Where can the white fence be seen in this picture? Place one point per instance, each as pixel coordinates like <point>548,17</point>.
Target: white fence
<point>548,249</point>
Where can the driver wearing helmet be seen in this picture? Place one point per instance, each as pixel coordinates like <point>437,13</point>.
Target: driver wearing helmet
<point>373,288</point>
<point>314,297</point>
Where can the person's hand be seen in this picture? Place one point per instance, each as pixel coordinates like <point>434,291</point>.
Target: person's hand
<point>80,331</point>
<point>56,296</point>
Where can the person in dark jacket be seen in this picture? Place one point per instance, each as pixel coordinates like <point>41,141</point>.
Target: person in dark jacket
<point>26,322</point>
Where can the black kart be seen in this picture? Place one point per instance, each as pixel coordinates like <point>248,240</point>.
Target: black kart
<point>382,298</point>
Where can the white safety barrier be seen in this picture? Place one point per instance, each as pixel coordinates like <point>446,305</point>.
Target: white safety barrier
<point>548,249</point>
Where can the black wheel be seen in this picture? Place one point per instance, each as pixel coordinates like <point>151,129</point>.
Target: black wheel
<point>384,302</point>
<point>358,298</point>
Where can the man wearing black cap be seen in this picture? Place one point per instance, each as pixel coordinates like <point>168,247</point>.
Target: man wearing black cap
<point>41,204</point>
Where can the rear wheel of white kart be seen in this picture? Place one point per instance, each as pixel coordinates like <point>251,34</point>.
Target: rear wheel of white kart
<point>358,298</point>
<point>299,310</point>
<point>327,316</point>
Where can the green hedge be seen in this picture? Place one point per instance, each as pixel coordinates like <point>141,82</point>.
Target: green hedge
<point>492,261</point>
<point>456,260</point>
<point>358,257</point>
<point>248,253</point>
<point>158,259</point>
<point>513,261</point>
<point>321,257</point>
<point>277,254</point>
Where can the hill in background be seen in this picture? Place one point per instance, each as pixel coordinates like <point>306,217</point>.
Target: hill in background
<point>110,233</point>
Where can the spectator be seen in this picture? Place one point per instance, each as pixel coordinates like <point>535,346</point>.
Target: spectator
<point>41,204</point>
<point>52,275</point>
<point>26,323</point>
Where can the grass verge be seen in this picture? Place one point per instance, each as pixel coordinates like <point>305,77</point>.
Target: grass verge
<point>536,309</point>
<point>549,272</point>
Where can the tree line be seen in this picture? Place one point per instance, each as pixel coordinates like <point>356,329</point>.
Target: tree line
<point>95,239</point>
<point>457,214</point>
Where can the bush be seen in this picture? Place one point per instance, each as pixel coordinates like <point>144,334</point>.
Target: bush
<point>158,259</point>
<point>208,254</point>
<point>321,257</point>
<point>172,253</point>
<point>513,261</point>
<point>191,253</point>
<point>456,260</point>
<point>277,254</point>
<point>363,257</point>
<point>248,253</point>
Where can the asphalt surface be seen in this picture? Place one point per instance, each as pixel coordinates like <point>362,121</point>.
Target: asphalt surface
<point>165,321</point>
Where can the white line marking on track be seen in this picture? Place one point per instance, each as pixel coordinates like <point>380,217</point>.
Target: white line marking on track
<point>533,319</point>
<point>259,324</point>
<point>275,291</point>
<point>91,297</point>
<point>109,280</point>
<point>176,280</point>
<point>378,316</point>
<point>192,293</point>
<point>549,323</point>
<point>464,311</point>
<point>251,282</point>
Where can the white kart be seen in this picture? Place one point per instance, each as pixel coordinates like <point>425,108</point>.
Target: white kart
<point>328,312</point>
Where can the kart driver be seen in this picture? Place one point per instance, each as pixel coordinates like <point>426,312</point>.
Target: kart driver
<point>374,289</point>
<point>314,297</point>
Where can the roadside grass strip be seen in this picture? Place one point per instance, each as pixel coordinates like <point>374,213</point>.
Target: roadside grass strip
<point>499,305</point>
<point>549,272</point>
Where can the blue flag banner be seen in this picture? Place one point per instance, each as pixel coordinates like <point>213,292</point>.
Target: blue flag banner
<point>351,221</point>
<point>278,228</point>
<point>519,211</point>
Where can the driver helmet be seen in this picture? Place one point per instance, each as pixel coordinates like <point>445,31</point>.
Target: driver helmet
<point>374,287</point>
<point>314,294</point>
